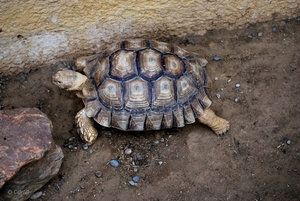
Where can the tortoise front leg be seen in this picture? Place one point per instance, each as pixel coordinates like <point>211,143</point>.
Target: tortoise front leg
<point>85,127</point>
<point>217,124</point>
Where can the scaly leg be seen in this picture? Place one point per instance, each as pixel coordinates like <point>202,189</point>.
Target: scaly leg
<point>217,124</point>
<point>85,127</point>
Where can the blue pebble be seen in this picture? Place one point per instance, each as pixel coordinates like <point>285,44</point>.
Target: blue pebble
<point>131,183</point>
<point>217,58</point>
<point>136,178</point>
<point>114,163</point>
<point>139,157</point>
<point>274,29</point>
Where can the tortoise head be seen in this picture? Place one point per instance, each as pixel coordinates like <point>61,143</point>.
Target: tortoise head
<point>69,80</point>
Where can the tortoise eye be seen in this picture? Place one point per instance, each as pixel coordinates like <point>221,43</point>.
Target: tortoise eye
<point>59,82</point>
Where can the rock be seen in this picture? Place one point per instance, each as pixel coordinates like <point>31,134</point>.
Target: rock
<point>136,179</point>
<point>85,147</point>
<point>36,195</point>
<point>128,151</point>
<point>217,58</point>
<point>114,163</point>
<point>98,174</point>
<point>131,183</point>
<point>29,158</point>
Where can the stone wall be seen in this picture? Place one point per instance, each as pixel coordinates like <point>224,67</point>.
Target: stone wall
<point>35,33</point>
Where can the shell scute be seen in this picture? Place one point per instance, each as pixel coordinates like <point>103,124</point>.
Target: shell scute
<point>185,89</point>
<point>135,44</point>
<point>150,63</point>
<point>137,95</point>
<point>174,66</point>
<point>120,120</point>
<point>163,93</point>
<point>123,64</point>
<point>137,122</point>
<point>161,46</point>
<point>110,94</point>
<point>101,70</point>
<point>104,118</point>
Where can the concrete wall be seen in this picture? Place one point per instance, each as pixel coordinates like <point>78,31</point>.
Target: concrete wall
<point>35,33</point>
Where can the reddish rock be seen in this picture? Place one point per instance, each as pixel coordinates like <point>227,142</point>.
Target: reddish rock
<point>29,158</point>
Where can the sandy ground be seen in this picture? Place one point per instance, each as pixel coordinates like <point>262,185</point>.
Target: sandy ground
<point>258,159</point>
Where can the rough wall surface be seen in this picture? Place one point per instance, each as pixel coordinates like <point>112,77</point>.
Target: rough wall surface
<point>34,33</point>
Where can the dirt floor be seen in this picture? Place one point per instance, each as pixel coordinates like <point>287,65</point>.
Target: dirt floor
<point>258,159</point>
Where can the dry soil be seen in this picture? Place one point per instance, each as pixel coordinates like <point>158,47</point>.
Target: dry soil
<point>258,159</point>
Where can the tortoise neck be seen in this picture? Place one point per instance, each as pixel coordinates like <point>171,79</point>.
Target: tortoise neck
<point>79,83</point>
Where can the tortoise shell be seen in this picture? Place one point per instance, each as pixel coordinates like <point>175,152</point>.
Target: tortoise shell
<point>146,85</point>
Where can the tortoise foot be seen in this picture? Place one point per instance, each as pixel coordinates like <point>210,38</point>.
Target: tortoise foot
<point>85,127</point>
<point>219,125</point>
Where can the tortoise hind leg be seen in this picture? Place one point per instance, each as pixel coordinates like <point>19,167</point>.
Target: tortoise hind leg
<point>85,127</point>
<point>217,124</point>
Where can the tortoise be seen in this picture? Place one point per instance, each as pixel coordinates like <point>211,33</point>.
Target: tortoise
<point>137,85</point>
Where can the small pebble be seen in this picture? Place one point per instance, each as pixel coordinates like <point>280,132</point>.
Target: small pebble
<point>274,29</point>
<point>218,96</point>
<point>156,142</point>
<point>237,85</point>
<point>288,142</point>
<point>139,157</point>
<point>135,169</point>
<point>236,100</point>
<point>136,179</point>
<point>150,148</point>
<point>128,151</point>
<point>36,195</point>
<point>190,41</point>
<point>250,36</point>
<point>162,139</point>
<point>70,146</point>
<point>60,176</point>
<point>216,78</point>
<point>114,163</point>
<point>260,34</point>
<point>217,58</point>
<point>250,27</point>
<point>57,186</point>
<point>85,147</point>
<point>107,133</point>
<point>23,78</point>
<point>72,138</point>
<point>131,183</point>
<point>98,174</point>
<point>74,191</point>
<point>160,162</point>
